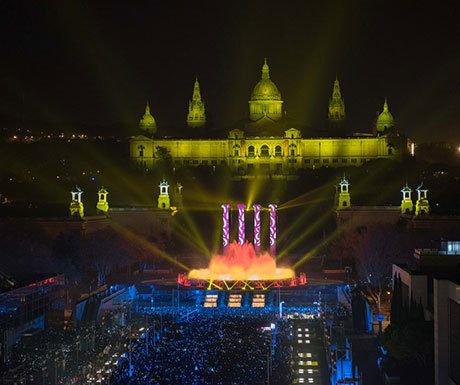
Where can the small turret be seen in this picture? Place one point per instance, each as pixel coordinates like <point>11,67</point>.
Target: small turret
<point>147,123</point>
<point>344,199</point>
<point>76,205</point>
<point>163,199</point>
<point>102,203</point>
<point>406,204</point>
<point>422,206</point>
<point>196,111</point>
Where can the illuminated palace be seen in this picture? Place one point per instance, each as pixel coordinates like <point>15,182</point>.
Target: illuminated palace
<point>267,142</point>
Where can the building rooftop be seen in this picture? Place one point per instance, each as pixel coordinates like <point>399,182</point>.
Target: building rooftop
<point>12,300</point>
<point>446,247</point>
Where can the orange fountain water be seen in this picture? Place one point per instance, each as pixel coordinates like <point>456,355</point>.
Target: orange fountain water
<point>241,263</point>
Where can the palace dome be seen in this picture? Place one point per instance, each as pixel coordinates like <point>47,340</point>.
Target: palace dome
<point>148,120</point>
<point>265,89</point>
<point>147,123</point>
<point>385,120</point>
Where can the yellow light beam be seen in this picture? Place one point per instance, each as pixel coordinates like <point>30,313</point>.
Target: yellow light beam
<point>316,249</point>
<point>300,238</point>
<point>132,237</point>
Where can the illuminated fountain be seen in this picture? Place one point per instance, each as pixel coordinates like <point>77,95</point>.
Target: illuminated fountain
<point>242,265</point>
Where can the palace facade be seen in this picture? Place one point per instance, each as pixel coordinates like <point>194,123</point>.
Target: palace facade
<point>267,143</point>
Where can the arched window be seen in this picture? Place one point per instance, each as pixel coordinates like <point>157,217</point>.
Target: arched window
<point>251,151</point>
<point>141,150</point>
<point>236,150</point>
<point>264,150</point>
<point>292,152</point>
<point>278,151</point>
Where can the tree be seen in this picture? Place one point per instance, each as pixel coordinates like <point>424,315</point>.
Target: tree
<point>164,158</point>
<point>108,249</point>
<point>103,251</point>
<point>342,248</point>
<point>66,253</point>
<point>375,250</point>
<point>409,340</point>
<point>396,302</point>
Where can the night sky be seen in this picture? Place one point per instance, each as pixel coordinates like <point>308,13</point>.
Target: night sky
<point>73,64</point>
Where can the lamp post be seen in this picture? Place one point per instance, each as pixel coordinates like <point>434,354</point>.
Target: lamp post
<point>281,309</point>
<point>268,368</point>
<point>129,353</point>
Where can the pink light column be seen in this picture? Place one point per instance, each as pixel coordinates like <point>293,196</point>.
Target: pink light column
<point>272,208</point>
<point>241,232</point>
<point>225,225</point>
<point>257,227</point>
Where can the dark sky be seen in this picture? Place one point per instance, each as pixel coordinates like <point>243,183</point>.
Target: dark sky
<point>78,63</point>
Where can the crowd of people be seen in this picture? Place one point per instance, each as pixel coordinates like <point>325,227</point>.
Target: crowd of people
<point>209,346</point>
<point>58,356</point>
<point>170,345</point>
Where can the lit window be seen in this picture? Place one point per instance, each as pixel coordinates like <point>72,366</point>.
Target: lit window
<point>264,150</point>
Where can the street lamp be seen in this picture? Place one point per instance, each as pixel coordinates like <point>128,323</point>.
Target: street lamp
<point>281,309</point>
